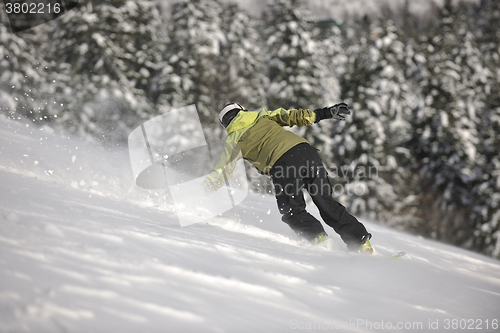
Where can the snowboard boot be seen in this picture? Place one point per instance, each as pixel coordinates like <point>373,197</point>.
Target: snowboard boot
<point>320,238</point>
<point>366,247</point>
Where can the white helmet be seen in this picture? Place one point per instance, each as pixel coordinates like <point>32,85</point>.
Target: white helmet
<point>228,108</point>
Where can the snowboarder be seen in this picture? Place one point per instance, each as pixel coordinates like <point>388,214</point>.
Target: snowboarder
<point>293,165</point>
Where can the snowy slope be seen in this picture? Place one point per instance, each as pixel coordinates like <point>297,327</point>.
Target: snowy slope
<point>82,249</point>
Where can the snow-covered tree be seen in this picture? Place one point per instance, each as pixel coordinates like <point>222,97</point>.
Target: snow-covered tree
<point>194,48</point>
<point>331,65</point>
<point>21,75</point>
<point>445,135</point>
<point>368,145</point>
<point>241,64</point>
<point>332,62</point>
<point>486,20</point>
<point>103,59</point>
<point>486,190</point>
<point>293,53</point>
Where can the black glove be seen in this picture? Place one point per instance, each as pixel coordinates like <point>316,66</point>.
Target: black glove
<point>338,112</point>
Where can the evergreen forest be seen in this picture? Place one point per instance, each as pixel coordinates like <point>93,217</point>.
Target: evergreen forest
<point>420,151</point>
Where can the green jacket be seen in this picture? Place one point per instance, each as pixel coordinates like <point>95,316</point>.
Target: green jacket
<point>261,139</point>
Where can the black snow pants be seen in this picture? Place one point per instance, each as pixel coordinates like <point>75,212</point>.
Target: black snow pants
<point>302,168</point>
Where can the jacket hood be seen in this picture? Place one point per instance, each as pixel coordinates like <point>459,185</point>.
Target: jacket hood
<point>241,121</point>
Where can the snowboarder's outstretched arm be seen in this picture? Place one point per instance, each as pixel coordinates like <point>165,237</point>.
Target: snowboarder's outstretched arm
<point>292,117</point>
<point>224,167</point>
<point>303,117</point>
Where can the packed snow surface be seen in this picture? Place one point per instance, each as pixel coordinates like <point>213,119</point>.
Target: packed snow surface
<point>83,249</point>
